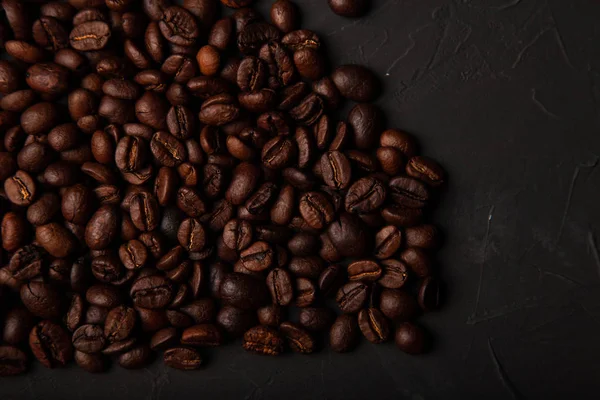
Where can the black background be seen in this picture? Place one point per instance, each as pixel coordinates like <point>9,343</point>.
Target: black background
<point>504,93</point>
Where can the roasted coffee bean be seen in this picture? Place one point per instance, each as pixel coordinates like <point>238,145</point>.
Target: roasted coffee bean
<point>41,299</point>
<point>191,235</point>
<point>398,140</point>
<point>387,242</point>
<point>316,319</point>
<point>219,110</point>
<point>243,291</point>
<point>373,325</point>
<point>12,361</point>
<point>429,294</point>
<point>189,201</point>
<point>410,338</point>
<point>365,196</point>
<point>178,26</point>
<point>144,211</point>
<point>424,236</point>
<point>244,180</point>
<point>263,340</point>
<point>316,210</point>
<point>202,335</point>
<point>395,274</point>
<point>335,169</point>
<point>418,261</point>
<point>331,279</point>
<point>348,236</point>
<point>14,230</point>
<point>26,262</point>
<point>254,35</point>
<point>151,292</point>
<point>426,169</point>
<point>20,188</point>
<point>235,321</point>
<point>408,192</point>
<point>402,216</point>
<point>355,82</point>
<point>398,305</point>
<point>55,239</point>
<point>343,335</point>
<point>93,363</point>
<point>303,244</point>
<point>182,358</point>
<point>352,296</point>
<point>306,292</point>
<point>133,254</point>
<point>119,323</point>
<point>364,270</point>
<point>251,74</point>
<point>102,228</point>
<point>284,15</point>
<point>299,340</point>
<point>167,150</point>
<point>89,339</point>
<point>279,283</point>
<point>138,357</point>
<point>50,344</point>
<point>17,324</point>
<point>278,153</point>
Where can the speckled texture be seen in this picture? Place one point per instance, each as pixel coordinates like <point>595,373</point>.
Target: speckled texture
<point>505,94</point>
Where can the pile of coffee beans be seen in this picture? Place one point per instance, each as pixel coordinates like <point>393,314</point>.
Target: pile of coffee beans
<point>173,180</point>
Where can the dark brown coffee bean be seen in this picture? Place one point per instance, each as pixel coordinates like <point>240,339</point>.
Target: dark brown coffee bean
<point>316,210</point>
<point>356,83</point>
<point>306,292</point>
<point>235,321</point>
<point>178,26</point>
<point>309,63</point>
<point>429,294</point>
<point>402,216</point>
<point>352,296</point>
<point>219,110</point>
<point>418,261</point>
<point>400,141</point>
<point>243,182</point>
<point>335,169</point>
<point>119,324</point>
<point>365,196</point>
<point>133,254</point>
<point>364,270</point>
<point>55,239</point>
<point>306,267</point>
<point>180,122</point>
<point>39,118</point>
<point>89,339</point>
<point>348,236</point>
<point>164,338</point>
<point>426,169</point>
<point>343,335</point>
<point>373,325</point>
<point>349,8</point>
<point>398,305</point>
<point>151,292</point>
<point>12,361</point>
<point>387,242</point>
<point>41,299</point>
<point>254,35</point>
<point>410,338</point>
<point>243,291</point>
<point>299,340</point>
<point>279,283</point>
<point>91,35</point>
<point>151,109</point>
<point>408,192</point>
<point>257,257</point>
<point>365,120</point>
<point>191,235</point>
<point>14,230</point>
<point>284,15</point>
<point>93,363</point>
<point>395,274</point>
<point>424,236</point>
<point>167,150</point>
<point>308,111</point>
<point>144,211</point>
<point>263,340</point>
<point>390,160</point>
<point>18,101</point>
<point>189,201</point>
<point>331,279</point>
<point>16,326</point>
<point>182,358</point>
<point>316,318</point>
<point>303,244</point>
<point>50,344</point>
<point>202,335</point>
<point>138,357</point>
<point>102,228</point>
<point>251,74</point>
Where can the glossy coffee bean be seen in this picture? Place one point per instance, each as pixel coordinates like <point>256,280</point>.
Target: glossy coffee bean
<point>343,335</point>
<point>352,296</point>
<point>263,340</point>
<point>50,344</point>
<point>410,338</point>
<point>182,358</point>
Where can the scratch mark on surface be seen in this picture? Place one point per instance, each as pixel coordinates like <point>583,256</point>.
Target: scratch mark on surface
<point>541,106</point>
<point>413,43</point>
<point>464,39</point>
<point>594,248</point>
<point>159,380</point>
<point>529,45</point>
<point>588,164</point>
<point>562,47</point>
<point>497,314</point>
<point>506,6</point>
<point>562,277</point>
<point>438,46</point>
<point>589,313</point>
<point>482,263</point>
<point>502,373</point>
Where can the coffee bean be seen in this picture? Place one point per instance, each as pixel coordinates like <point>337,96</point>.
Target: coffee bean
<point>402,216</point>
<point>398,140</point>
<point>50,344</point>
<point>284,15</point>
<point>16,326</point>
<point>151,292</point>
<point>352,296</point>
<point>12,361</point>
<point>93,363</point>
<point>365,196</point>
<point>235,321</point>
<point>316,210</point>
<point>135,358</point>
<point>254,35</point>
<point>373,325</point>
<point>243,291</point>
<point>395,274</point>
<point>387,242</point>
<point>398,305</point>
<point>299,340</point>
<point>279,283</point>
<point>355,82</point>
<point>335,170</point>
<point>26,262</point>
<point>41,299</point>
<point>306,292</point>
<point>278,152</point>
<point>55,239</point>
<point>343,335</point>
<point>263,340</point>
<point>89,339</point>
<point>144,211</point>
<point>182,358</point>
<point>364,270</point>
<point>347,236</point>
<point>20,189</point>
<point>408,192</point>
<point>202,335</point>
<point>425,169</point>
<point>424,236</point>
<point>178,26</point>
<point>410,338</point>
<point>418,261</point>
<point>102,228</point>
